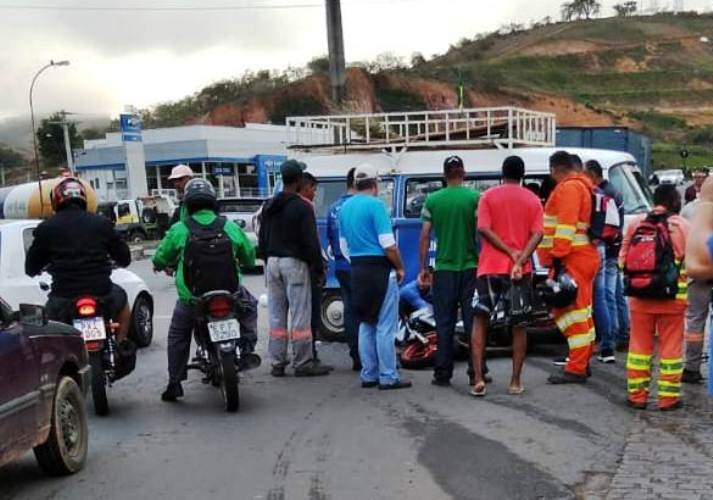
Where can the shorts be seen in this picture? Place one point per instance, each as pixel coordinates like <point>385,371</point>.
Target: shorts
<point>61,308</point>
<point>494,295</point>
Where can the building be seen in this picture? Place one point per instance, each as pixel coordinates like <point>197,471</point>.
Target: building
<point>237,161</point>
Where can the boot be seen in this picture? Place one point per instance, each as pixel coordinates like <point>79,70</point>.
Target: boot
<point>691,377</point>
<point>312,370</point>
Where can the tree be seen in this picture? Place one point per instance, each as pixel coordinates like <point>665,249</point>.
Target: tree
<point>10,160</point>
<point>417,59</point>
<point>50,140</point>
<point>91,133</point>
<point>580,9</point>
<point>626,9</point>
<point>318,65</point>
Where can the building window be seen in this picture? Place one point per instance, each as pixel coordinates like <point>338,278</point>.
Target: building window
<point>247,179</point>
<point>151,178</point>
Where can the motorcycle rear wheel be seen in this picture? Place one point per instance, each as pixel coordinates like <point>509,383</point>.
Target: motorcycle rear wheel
<point>101,402</point>
<point>229,382</point>
<point>416,355</point>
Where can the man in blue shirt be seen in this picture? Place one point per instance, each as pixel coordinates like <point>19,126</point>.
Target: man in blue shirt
<point>367,240</point>
<point>343,272</point>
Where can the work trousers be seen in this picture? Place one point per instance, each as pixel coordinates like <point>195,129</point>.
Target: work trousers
<point>699,298</point>
<point>451,290</point>
<point>576,322</point>
<point>376,341</point>
<point>644,327</point>
<point>351,325</point>
<point>289,304</point>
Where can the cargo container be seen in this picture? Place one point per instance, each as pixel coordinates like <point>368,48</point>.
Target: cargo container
<point>24,201</point>
<point>610,138</point>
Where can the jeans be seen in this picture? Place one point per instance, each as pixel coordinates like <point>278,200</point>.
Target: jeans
<point>622,307</point>
<point>351,326</point>
<point>605,308</point>
<point>451,289</point>
<point>376,342</point>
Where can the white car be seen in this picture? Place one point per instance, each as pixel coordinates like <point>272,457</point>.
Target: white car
<point>17,288</point>
<point>673,176</point>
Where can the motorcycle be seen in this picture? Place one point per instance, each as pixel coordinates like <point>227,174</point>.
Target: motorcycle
<point>217,336</point>
<point>418,340</point>
<point>109,361</point>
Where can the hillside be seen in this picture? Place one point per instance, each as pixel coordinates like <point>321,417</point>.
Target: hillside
<point>652,73</point>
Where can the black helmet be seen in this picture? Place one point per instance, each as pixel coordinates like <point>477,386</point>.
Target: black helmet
<point>559,292</point>
<point>199,194</point>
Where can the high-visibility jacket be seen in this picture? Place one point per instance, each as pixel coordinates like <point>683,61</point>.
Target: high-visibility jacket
<point>567,215</point>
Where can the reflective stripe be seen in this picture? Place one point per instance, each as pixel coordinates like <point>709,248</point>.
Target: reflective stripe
<point>573,317</point>
<point>671,389</point>
<point>582,340</point>
<point>638,361</point>
<point>580,240</point>
<point>278,333</point>
<point>672,366</point>
<point>694,337</point>
<point>550,221</point>
<point>547,242</point>
<point>565,232</point>
<point>666,394</point>
<point>298,335</point>
<point>583,226</point>
<point>636,384</point>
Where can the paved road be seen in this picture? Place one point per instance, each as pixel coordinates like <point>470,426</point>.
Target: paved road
<point>328,438</point>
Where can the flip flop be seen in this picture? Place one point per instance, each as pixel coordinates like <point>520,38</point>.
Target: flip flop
<point>516,391</point>
<point>478,391</point>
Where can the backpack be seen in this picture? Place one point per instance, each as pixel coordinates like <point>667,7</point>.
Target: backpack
<point>650,269</point>
<point>208,260</point>
<point>605,221</point>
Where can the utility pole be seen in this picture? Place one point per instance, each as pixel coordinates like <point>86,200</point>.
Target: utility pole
<point>335,39</point>
<point>2,174</point>
<point>67,143</point>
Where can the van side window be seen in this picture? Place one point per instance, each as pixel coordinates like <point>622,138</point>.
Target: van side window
<point>416,192</point>
<point>28,236</point>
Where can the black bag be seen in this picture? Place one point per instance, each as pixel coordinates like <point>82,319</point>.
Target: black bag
<point>125,359</point>
<point>208,261</point>
<point>519,302</point>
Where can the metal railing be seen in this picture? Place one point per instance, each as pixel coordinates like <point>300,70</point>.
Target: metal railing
<point>504,127</point>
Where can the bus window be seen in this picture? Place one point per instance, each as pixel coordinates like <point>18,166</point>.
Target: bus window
<point>416,192</point>
<point>329,191</point>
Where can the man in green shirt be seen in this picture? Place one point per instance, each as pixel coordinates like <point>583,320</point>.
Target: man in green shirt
<point>200,203</point>
<point>450,212</point>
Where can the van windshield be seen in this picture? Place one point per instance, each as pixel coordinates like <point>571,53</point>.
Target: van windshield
<point>636,200</point>
<point>329,191</point>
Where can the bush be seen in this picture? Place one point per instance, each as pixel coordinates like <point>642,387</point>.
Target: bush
<point>287,105</point>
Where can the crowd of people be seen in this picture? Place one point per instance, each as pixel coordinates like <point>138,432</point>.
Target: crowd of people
<point>614,289</point>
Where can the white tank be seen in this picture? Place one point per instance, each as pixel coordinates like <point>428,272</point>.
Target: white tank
<point>23,201</point>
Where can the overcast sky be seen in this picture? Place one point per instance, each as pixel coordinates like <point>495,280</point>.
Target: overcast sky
<point>142,58</point>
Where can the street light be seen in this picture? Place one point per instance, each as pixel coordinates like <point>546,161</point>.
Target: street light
<point>32,119</point>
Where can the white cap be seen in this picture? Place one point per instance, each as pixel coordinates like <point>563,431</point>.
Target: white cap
<point>180,171</point>
<point>364,172</point>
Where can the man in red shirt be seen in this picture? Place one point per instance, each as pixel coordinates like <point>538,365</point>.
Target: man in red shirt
<point>510,223</point>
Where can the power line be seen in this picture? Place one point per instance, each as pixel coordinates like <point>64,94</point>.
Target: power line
<point>179,8</point>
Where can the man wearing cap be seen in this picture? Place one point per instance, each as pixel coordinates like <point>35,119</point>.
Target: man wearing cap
<point>289,244</point>
<point>450,213</point>
<point>367,240</point>
<point>180,175</point>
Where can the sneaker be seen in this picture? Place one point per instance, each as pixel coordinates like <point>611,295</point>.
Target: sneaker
<point>691,377</point>
<point>606,357</point>
<point>566,378</point>
<point>173,391</point>
<point>399,384</point>
<point>278,371</point>
<point>560,361</point>
<point>312,370</point>
<point>369,385</point>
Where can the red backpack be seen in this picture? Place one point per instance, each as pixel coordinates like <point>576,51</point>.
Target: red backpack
<point>650,268</point>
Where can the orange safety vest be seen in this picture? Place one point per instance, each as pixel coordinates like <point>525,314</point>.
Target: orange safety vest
<point>567,215</point>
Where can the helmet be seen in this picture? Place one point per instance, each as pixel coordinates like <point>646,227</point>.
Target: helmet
<point>199,194</point>
<point>560,291</point>
<point>69,189</point>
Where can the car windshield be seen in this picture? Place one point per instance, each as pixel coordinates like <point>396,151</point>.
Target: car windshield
<point>249,206</point>
<point>329,191</point>
<point>636,200</point>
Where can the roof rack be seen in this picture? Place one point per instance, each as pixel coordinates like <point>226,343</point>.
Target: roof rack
<point>501,127</point>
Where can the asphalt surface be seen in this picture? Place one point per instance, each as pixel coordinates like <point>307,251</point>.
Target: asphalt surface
<point>327,438</point>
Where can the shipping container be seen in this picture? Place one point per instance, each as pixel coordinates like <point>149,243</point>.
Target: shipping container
<point>611,138</point>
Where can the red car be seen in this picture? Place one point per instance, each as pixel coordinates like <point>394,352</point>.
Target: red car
<point>44,376</point>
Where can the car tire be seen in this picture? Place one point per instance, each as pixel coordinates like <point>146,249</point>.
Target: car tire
<point>332,318</point>
<point>137,236</point>
<point>65,450</point>
<point>141,330</point>
<point>99,398</point>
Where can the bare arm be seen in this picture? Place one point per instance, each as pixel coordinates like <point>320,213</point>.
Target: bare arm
<point>394,256</point>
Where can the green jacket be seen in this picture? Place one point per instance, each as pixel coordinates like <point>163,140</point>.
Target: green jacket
<point>170,251</point>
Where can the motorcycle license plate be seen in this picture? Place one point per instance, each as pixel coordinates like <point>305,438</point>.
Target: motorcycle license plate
<point>221,331</point>
<point>91,328</point>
